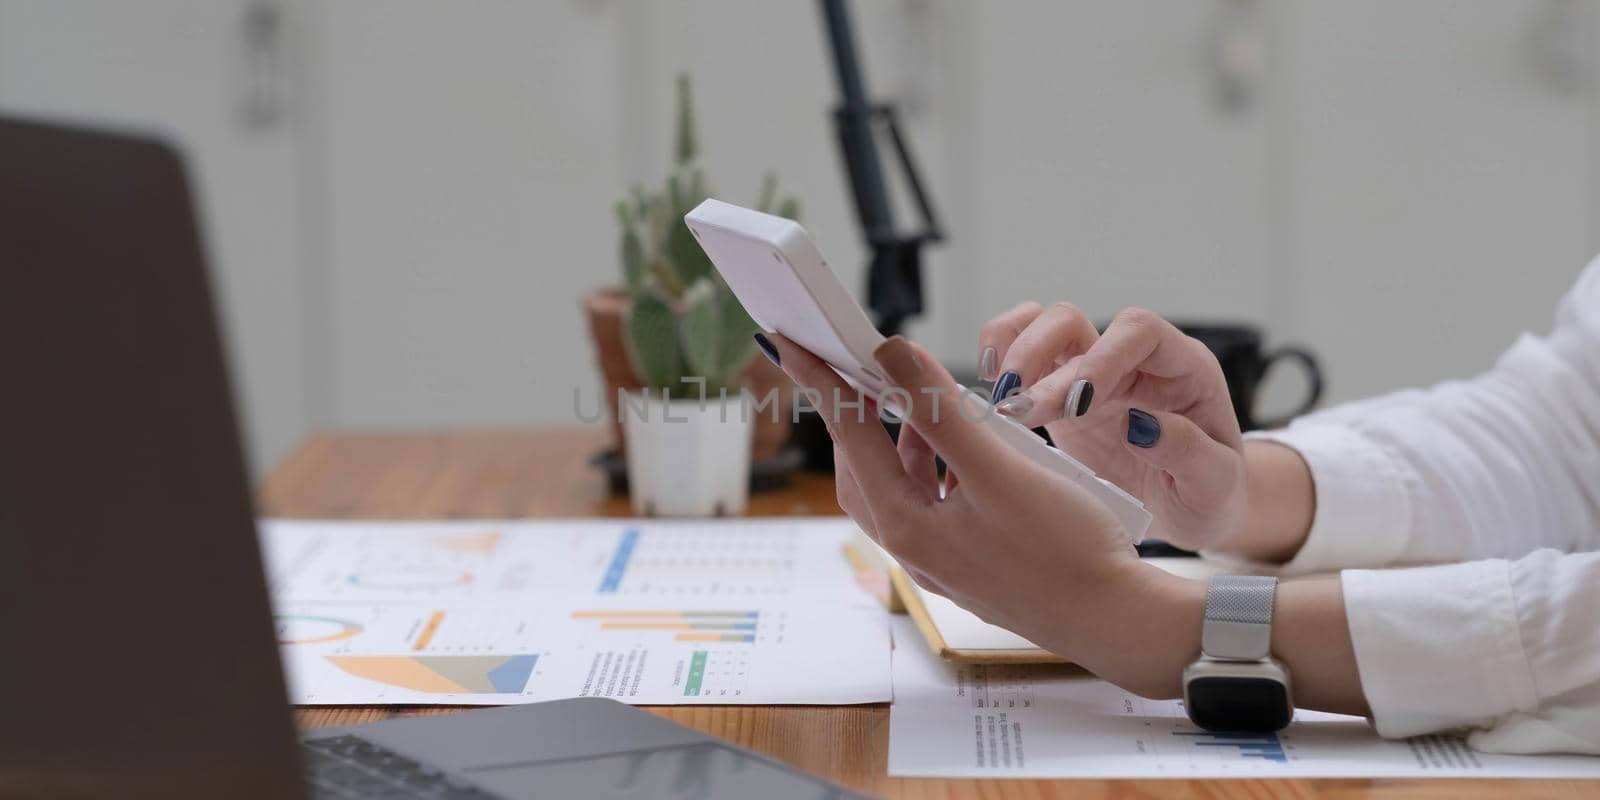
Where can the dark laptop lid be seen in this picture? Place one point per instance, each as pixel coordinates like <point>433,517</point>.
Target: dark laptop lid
<point>137,656</point>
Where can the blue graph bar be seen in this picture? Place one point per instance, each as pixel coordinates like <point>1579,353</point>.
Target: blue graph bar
<point>619,561</point>
<point>1250,745</point>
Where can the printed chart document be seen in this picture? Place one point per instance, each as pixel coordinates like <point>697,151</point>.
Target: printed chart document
<point>492,613</point>
<point>1030,721</point>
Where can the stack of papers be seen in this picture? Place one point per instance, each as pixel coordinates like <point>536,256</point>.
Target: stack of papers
<point>751,612</point>
<point>1015,721</point>
<point>651,612</point>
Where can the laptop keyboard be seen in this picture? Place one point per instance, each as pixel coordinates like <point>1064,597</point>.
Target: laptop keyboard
<point>340,767</point>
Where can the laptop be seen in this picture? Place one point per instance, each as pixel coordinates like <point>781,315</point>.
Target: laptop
<point>137,646</point>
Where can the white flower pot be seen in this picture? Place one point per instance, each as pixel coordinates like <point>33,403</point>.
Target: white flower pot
<point>687,458</point>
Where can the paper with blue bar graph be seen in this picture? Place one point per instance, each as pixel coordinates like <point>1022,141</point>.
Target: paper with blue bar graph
<point>499,612</point>
<point>1051,721</point>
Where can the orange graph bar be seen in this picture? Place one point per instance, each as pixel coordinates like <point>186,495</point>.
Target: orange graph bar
<point>677,626</point>
<point>428,630</point>
<point>715,637</point>
<point>590,614</point>
<point>467,542</point>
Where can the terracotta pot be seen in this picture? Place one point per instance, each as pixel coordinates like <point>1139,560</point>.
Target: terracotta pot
<point>607,312</point>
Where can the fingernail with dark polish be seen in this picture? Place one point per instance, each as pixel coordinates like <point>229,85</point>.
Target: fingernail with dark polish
<point>1008,383</point>
<point>988,363</point>
<point>1079,398</point>
<point>1016,406</point>
<point>899,359</point>
<point>767,349</point>
<point>1143,429</point>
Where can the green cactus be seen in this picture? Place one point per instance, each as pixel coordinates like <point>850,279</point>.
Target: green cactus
<point>685,322</point>
<point>632,250</point>
<point>653,323</point>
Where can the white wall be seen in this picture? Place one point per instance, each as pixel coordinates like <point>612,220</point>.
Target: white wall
<point>472,161</point>
<point>1402,187</point>
<point>178,67</point>
<point>1442,179</point>
<point>1107,172</point>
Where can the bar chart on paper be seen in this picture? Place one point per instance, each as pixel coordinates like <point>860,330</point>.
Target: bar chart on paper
<point>643,611</point>
<point>713,652</point>
<point>701,563</point>
<point>680,624</point>
<point>1239,746</point>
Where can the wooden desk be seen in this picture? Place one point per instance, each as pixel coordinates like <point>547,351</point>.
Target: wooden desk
<point>543,473</point>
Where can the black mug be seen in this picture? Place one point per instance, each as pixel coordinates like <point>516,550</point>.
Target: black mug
<point>1244,364</point>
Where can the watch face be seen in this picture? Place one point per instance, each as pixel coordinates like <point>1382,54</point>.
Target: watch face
<point>1239,704</point>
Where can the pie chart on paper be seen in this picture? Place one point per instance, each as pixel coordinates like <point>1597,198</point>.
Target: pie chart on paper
<point>305,629</point>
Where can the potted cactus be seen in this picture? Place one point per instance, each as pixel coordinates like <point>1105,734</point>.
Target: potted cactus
<point>688,429</point>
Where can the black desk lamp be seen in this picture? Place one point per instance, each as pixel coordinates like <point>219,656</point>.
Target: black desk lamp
<point>894,275</point>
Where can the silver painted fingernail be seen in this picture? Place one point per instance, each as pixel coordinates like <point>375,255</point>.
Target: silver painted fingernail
<point>1079,398</point>
<point>989,364</point>
<point>1017,405</point>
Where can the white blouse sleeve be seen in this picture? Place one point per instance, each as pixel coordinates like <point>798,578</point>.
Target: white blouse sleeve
<point>1504,468</point>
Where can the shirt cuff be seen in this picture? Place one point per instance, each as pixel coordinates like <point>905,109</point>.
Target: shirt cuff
<point>1363,510</point>
<point>1438,648</point>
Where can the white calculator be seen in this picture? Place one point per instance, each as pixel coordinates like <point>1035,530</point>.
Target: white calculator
<point>787,287</point>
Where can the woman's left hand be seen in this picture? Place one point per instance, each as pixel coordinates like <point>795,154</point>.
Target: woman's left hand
<point>1015,543</point>
<point>1161,424</point>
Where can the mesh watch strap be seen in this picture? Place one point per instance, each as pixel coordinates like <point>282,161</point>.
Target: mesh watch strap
<point>1238,624</point>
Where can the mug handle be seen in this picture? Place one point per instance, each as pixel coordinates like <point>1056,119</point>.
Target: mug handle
<point>1313,376</point>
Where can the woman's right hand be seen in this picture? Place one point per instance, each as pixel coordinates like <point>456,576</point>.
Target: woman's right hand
<point>1143,405</point>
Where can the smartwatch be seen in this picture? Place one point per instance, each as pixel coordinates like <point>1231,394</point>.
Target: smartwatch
<point>1237,685</point>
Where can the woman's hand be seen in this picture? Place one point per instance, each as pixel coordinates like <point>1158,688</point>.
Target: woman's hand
<point>1015,543</point>
<point>1144,405</point>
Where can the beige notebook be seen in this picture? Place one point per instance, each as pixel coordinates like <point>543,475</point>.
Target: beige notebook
<point>957,634</point>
